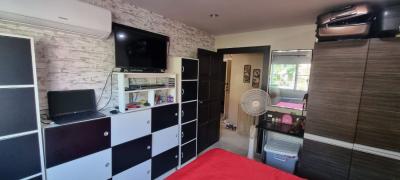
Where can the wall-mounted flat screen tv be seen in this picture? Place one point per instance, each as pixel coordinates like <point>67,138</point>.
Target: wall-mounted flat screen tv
<point>139,50</point>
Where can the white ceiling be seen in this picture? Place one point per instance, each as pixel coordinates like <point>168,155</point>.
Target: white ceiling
<point>241,15</point>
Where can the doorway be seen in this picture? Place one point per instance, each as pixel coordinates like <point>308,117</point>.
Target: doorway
<point>212,85</point>
<point>244,74</point>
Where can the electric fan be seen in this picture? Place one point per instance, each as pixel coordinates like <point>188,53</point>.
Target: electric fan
<point>254,102</point>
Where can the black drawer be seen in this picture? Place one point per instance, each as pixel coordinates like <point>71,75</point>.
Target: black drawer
<point>188,151</point>
<point>188,131</point>
<point>129,154</point>
<point>189,111</point>
<point>189,69</point>
<point>19,157</point>
<point>16,61</point>
<point>163,117</point>
<point>69,142</point>
<point>164,162</point>
<point>18,110</point>
<point>189,90</point>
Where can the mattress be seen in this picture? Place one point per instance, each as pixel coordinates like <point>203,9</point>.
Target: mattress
<point>223,165</point>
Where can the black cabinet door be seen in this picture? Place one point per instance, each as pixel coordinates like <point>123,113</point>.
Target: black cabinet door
<point>19,157</point>
<point>129,154</point>
<point>12,103</point>
<point>164,117</point>
<point>213,131</point>
<point>189,111</point>
<point>189,90</point>
<point>189,69</point>
<point>69,142</point>
<point>188,151</point>
<point>164,162</point>
<point>324,161</point>
<point>211,85</point>
<point>15,61</point>
<point>204,113</point>
<point>202,137</point>
<point>366,166</point>
<point>188,131</point>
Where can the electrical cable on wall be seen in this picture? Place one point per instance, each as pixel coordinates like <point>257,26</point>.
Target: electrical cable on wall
<point>109,76</point>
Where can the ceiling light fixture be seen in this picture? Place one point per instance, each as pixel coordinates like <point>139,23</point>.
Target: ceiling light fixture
<point>214,15</point>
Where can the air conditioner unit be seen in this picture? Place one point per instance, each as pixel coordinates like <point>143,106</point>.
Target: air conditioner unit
<point>65,15</point>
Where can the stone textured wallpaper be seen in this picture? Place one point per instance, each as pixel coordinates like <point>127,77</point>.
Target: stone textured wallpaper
<point>69,61</point>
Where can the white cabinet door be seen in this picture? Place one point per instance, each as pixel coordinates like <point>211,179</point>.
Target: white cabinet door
<point>94,166</point>
<point>129,126</point>
<point>165,139</point>
<point>141,171</point>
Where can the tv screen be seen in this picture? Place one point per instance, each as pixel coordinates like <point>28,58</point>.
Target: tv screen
<point>137,49</point>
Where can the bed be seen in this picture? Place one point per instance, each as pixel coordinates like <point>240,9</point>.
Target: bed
<point>223,165</point>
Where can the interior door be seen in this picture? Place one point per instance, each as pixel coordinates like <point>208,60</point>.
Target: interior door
<point>211,83</point>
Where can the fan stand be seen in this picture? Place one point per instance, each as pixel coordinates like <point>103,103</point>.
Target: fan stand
<point>252,136</point>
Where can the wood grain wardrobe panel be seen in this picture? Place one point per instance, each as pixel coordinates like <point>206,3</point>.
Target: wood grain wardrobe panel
<point>366,166</point>
<point>336,79</point>
<point>324,161</point>
<point>379,117</point>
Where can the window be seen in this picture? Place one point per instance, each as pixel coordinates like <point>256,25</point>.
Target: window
<point>289,77</point>
<point>283,76</point>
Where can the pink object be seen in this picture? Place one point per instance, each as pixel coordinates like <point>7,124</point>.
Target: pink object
<point>290,105</point>
<point>220,164</point>
<point>287,119</point>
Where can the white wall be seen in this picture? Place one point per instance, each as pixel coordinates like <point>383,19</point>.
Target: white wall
<point>295,37</point>
<point>69,61</point>
<point>237,87</point>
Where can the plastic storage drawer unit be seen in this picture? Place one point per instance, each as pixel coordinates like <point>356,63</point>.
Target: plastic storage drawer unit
<point>282,155</point>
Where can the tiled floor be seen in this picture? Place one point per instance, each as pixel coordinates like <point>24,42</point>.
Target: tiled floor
<point>232,141</point>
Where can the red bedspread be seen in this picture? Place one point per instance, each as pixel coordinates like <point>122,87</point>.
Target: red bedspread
<point>223,165</point>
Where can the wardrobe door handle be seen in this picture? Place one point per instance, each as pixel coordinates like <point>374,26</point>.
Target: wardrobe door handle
<point>107,164</point>
<point>183,113</point>
<point>183,68</point>
<point>183,91</point>
<point>182,135</point>
<point>105,133</point>
<point>176,114</point>
<point>176,156</point>
<point>148,147</point>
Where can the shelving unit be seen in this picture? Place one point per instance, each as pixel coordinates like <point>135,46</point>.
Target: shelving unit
<point>187,87</point>
<point>138,91</point>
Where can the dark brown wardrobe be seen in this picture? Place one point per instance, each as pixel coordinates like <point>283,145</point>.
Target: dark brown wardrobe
<point>353,119</point>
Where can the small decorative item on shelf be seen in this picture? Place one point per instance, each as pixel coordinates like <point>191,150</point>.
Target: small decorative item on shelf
<point>146,104</point>
<point>132,106</point>
<point>170,99</point>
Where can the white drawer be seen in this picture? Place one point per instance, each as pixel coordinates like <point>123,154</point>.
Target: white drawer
<point>129,126</point>
<point>141,171</point>
<point>164,140</point>
<point>94,166</point>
